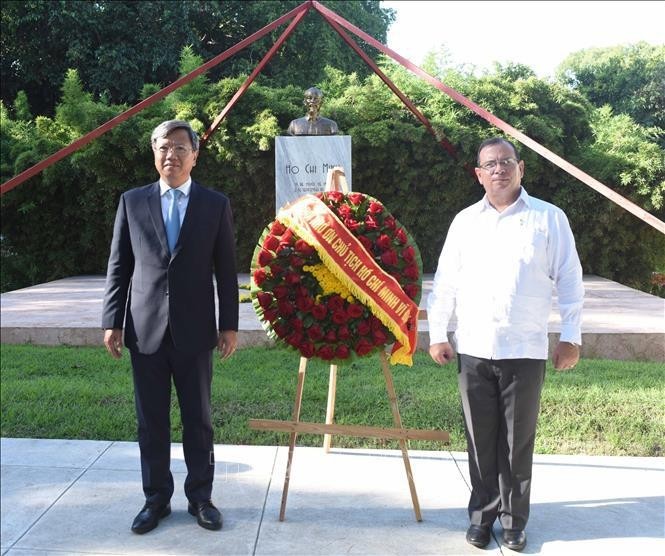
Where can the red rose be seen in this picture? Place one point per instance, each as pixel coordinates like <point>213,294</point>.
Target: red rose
<point>287,238</point>
<point>280,292</point>
<point>296,323</point>
<point>356,198</point>
<point>371,222</point>
<point>401,236</point>
<point>344,212</point>
<point>295,338</point>
<point>264,257</point>
<point>304,248</point>
<point>330,337</point>
<point>315,333</point>
<point>411,290</point>
<point>375,208</point>
<point>271,243</point>
<point>326,352</point>
<point>367,243</point>
<point>275,269</point>
<point>343,333</point>
<point>307,349</point>
<point>363,347</point>
<point>384,242</point>
<point>340,317</point>
<point>296,262</point>
<point>363,328</point>
<point>390,223</point>
<point>270,314</point>
<point>292,278</point>
<point>281,329</point>
<point>277,228</point>
<point>389,258</point>
<point>411,272</point>
<point>342,352</point>
<point>335,196</point>
<point>351,224</point>
<point>409,254</point>
<point>285,307</point>
<point>319,312</point>
<point>374,323</point>
<point>335,303</point>
<point>379,337</point>
<point>265,299</point>
<point>354,310</point>
<point>259,276</point>
<point>304,304</point>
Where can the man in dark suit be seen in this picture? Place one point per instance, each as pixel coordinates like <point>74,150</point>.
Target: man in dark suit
<point>169,238</point>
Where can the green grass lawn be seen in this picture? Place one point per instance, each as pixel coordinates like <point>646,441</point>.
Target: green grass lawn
<point>602,407</point>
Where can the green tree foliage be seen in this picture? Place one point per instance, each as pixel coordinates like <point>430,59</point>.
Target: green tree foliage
<point>629,78</point>
<point>59,223</point>
<point>118,45</point>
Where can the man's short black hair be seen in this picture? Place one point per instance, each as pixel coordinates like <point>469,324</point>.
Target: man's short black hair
<point>496,141</point>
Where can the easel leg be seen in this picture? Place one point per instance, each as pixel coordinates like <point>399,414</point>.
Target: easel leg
<point>330,410</point>
<point>292,439</point>
<point>397,420</point>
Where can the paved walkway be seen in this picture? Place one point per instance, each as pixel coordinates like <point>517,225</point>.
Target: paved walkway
<point>65,497</point>
<point>79,498</point>
<point>618,323</point>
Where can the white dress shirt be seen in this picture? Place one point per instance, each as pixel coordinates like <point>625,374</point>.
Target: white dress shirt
<point>496,273</point>
<point>183,200</point>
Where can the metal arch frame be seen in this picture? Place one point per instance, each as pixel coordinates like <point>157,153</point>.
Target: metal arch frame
<point>337,22</point>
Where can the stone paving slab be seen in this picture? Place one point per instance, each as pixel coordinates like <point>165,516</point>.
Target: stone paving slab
<point>618,322</point>
<point>79,497</point>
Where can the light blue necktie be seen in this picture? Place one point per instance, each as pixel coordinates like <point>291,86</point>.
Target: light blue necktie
<point>173,220</point>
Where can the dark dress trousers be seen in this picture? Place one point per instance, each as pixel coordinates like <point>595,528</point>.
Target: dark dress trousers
<point>500,402</point>
<point>166,304</point>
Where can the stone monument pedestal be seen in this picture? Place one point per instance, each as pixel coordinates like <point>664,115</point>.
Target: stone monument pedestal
<point>302,164</point>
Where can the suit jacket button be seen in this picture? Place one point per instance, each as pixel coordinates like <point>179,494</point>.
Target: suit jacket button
<point>167,292</point>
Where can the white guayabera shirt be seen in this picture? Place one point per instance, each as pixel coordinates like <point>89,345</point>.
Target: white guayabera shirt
<point>496,273</point>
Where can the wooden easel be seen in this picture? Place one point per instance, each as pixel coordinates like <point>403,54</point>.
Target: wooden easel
<point>336,181</point>
<point>296,426</point>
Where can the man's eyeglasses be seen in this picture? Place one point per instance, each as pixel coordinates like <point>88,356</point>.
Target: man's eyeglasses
<point>179,150</point>
<point>505,163</point>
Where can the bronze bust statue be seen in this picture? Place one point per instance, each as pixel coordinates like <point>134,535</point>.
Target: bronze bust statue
<point>312,123</point>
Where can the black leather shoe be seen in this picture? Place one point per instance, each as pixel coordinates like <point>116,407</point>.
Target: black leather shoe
<point>515,539</point>
<point>206,515</point>
<point>478,535</point>
<point>149,516</point>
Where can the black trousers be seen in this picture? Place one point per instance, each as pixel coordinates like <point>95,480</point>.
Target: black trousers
<point>192,376</point>
<point>501,401</point>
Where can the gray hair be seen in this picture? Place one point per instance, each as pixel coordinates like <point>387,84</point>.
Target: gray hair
<point>163,129</point>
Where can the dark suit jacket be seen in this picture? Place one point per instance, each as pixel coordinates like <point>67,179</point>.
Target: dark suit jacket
<point>148,289</point>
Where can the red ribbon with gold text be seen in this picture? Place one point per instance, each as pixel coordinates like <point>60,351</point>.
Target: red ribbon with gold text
<point>346,258</point>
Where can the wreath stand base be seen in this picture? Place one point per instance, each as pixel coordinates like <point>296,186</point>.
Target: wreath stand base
<point>295,426</point>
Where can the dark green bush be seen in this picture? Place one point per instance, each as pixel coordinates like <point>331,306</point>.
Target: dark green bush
<point>59,223</point>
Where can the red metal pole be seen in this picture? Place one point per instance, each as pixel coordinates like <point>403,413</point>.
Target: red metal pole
<point>82,141</point>
<point>423,119</point>
<point>255,72</point>
<point>497,122</point>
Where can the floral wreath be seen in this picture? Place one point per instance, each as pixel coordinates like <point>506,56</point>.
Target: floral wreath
<point>300,302</point>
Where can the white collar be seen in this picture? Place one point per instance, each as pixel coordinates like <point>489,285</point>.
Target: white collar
<point>524,197</point>
<point>184,188</point>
